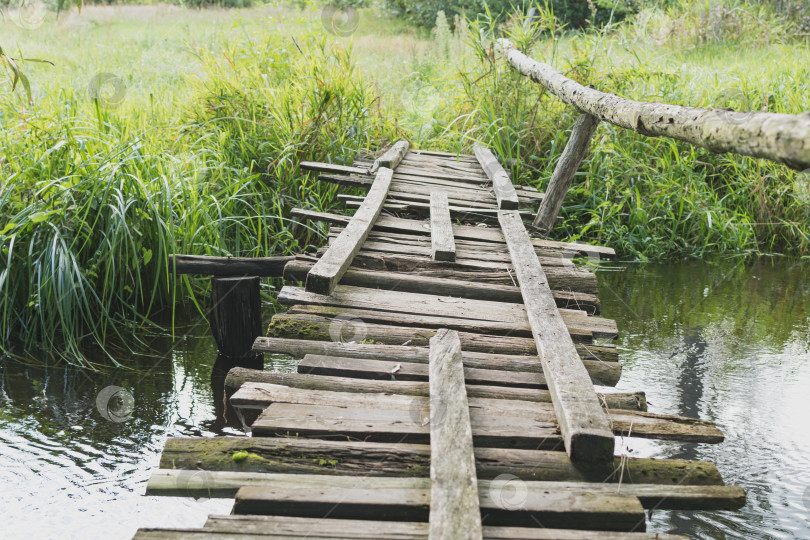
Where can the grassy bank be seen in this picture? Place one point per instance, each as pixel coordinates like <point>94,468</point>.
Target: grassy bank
<point>162,130</point>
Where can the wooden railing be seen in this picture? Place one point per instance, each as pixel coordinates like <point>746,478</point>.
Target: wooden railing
<point>783,138</point>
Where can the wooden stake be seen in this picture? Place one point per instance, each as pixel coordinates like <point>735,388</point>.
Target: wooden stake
<point>575,151</point>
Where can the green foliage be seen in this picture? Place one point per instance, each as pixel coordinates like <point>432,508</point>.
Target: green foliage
<point>94,199</point>
<point>571,13</point>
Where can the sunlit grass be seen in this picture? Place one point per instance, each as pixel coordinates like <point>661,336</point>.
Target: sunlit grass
<point>219,107</point>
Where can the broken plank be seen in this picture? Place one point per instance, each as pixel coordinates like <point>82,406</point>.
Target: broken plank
<point>392,157</point>
<point>331,168</point>
<point>441,229</point>
<point>327,272</point>
<point>504,190</point>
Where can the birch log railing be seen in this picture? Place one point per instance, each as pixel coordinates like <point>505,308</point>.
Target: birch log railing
<point>783,138</point>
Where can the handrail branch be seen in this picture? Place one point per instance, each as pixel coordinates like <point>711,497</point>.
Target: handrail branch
<point>783,138</point>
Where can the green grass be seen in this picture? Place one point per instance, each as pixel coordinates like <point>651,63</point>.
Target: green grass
<point>201,155</point>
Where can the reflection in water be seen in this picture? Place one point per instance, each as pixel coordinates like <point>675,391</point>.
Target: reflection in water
<point>66,471</point>
<point>726,342</point>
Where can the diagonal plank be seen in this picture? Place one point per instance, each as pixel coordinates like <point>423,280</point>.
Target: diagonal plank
<point>443,247</point>
<point>584,426</point>
<point>391,157</point>
<point>327,272</point>
<point>454,512</point>
<point>504,190</point>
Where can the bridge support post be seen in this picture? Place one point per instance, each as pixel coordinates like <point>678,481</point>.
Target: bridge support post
<point>575,151</point>
<point>236,319</point>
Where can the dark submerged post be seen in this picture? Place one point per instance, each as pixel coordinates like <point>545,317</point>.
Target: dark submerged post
<point>236,319</point>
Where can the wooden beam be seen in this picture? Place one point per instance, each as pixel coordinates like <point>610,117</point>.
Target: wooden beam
<point>327,272</point>
<point>478,290</point>
<point>443,248</point>
<point>454,512</point>
<point>504,190</point>
<point>299,455</point>
<point>331,168</point>
<point>575,151</point>
<point>391,157</point>
<point>229,266</point>
<point>584,425</point>
<point>237,377</point>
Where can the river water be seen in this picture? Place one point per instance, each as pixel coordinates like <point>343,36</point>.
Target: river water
<point>726,342</point>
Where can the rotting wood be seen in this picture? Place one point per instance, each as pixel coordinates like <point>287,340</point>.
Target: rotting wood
<point>392,157</point>
<point>416,491</point>
<point>331,168</point>
<point>228,266</point>
<point>327,272</point>
<point>342,529</point>
<point>235,317</point>
<point>349,329</point>
<point>504,190</point>
<point>476,290</point>
<point>486,234</point>
<point>409,499</point>
<point>454,512</point>
<point>240,376</point>
<point>317,456</point>
<point>784,138</point>
<point>601,373</point>
<point>483,316</point>
<point>441,229</point>
<point>575,151</point>
<point>582,421</point>
<point>643,424</point>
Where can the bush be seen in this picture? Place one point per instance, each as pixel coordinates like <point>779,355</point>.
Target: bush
<point>572,13</point>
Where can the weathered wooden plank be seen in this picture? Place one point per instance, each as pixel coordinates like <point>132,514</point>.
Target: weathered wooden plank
<point>485,234</point>
<point>408,499</point>
<point>394,425</point>
<point>392,157</point>
<point>322,528</point>
<point>324,328</point>
<point>572,156</point>
<point>362,368</point>
<point>504,190</point>
<point>297,270</point>
<point>443,248</point>
<point>301,455</point>
<point>331,168</point>
<point>560,278</point>
<point>327,272</point>
<point>429,310</point>
<point>602,373</point>
<point>228,266</point>
<point>309,306</point>
<point>470,213</point>
<point>174,482</point>
<point>583,423</point>
<point>237,377</point>
<point>454,512</point>
<point>648,425</point>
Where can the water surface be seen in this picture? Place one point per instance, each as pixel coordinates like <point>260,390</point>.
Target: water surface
<point>725,341</point>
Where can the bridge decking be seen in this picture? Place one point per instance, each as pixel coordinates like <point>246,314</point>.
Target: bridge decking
<point>446,384</point>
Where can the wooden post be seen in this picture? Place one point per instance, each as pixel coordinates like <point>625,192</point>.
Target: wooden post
<point>575,151</point>
<point>236,318</point>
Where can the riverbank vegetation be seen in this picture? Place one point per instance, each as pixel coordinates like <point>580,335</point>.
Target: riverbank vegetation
<point>160,129</point>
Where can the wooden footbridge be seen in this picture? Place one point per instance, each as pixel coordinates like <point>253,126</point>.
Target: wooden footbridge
<point>455,372</point>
